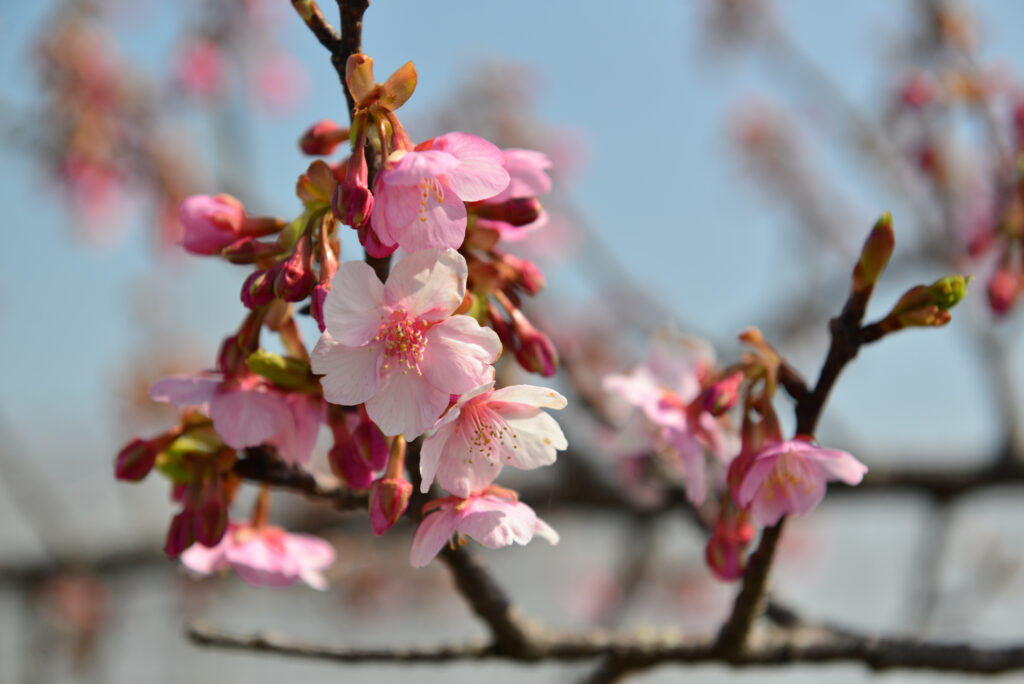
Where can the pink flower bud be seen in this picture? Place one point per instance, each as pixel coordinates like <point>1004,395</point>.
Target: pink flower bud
<point>528,275</point>
<point>258,288</point>
<point>296,278</point>
<point>389,498</point>
<point>322,137</point>
<point>210,223</point>
<point>211,514</point>
<point>181,533</point>
<point>346,463</point>
<point>316,304</point>
<point>518,211</point>
<point>725,559</point>
<point>371,445</point>
<point>722,395</point>
<point>135,460</point>
<point>1002,291</point>
<point>352,201</point>
<point>536,352</point>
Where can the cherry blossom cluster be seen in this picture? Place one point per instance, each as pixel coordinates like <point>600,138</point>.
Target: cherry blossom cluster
<point>405,363</point>
<point>688,406</point>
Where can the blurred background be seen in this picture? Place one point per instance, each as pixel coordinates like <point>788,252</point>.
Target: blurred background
<point>717,166</point>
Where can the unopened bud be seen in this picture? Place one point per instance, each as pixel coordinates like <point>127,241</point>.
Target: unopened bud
<point>316,304</point>
<point>874,256</point>
<point>725,559</point>
<point>352,202</point>
<point>322,137</point>
<point>519,211</point>
<point>296,278</point>
<point>723,395</point>
<point>528,275</point>
<point>249,250</point>
<point>258,288</point>
<point>211,513</point>
<point>389,497</point>
<point>136,459</point>
<point>211,223</point>
<point>1002,290</point>
<point>181,533</point>
<point>536,352</point>
<point>927,305</point>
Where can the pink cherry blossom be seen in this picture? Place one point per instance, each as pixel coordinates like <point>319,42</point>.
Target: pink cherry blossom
<point>489,428</point>
<point>264,556</point>
<point>248,412</point>
<point>788,478</point>
<point>492,517</point>
<point>420,194</point>
<point>397,347</point>
<point>528,178</point>
<point>210,223</point>
<point>200,68</point>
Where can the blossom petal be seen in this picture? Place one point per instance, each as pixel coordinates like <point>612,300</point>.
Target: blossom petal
<point>429,284</point>
<point>296,440</point>
<point>465,467</point>
<point>185,390</point>
<point>439,219</point>
<point>839,465</point>
<point>544,531</point>
<point>352,310</point>
<point>351,375</point>
<point>417,165</point>
<point>496,522</point>
<point>431,452</point>
<point>531,395</point>
<point>536,435</point>
<point>526,174</point>
<point>433,533</point>
<point>459,354</point>
<point>204,560</point>
<point>405,404</point>
<point>481,171</point>
<point>246,417</point>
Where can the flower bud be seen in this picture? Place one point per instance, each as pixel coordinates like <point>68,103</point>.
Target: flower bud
<point>352,201</point>
<point>258,288</point>
<point>322,137</point>
<point>389,497</point>
<point>723,395</point>
<point>316,304</point>
<point>725,559</point>
<point>371,445</point>
<point>181,534</point>
<point>347,464</point>
<point>528,275</point>
<point>136,459</point>
<point>1002,291</point>
<point>210,223</point>
<point>249,250</point>
<point>296,278</point>
<point>518,211</point>
<point>874,256</point>
<point>211,513</point>
<point>535,352</point>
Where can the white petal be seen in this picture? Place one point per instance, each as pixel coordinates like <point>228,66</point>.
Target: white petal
<point>459,354</point>
<point>353,310</point>
<point>429,284</point>
<point>405,403</point>
<point>351,374</point>
<point>530,395</point>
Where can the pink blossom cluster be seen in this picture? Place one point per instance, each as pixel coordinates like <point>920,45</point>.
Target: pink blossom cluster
<point>405,361</point>
<point>685,401</point>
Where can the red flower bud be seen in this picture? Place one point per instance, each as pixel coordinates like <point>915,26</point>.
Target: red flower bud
<point>1002,290</point>
<point>389,497</point>
<point>211,514</point>
<point>136,459</point>
<point>535,352</point>
<point>519,211</point>
<point>722,395</point>
<point>322,137</point>
<point>258,288</point>
<point>352,202</point>
<point>296,278</point>
<point>181,533</point>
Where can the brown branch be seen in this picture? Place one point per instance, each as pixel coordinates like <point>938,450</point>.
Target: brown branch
<point>321,28</point>
<point>258,465</point>
<point>803,644</point>
<point>846,342</point>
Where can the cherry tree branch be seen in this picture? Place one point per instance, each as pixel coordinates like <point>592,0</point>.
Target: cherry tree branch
<point>631,652</point>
